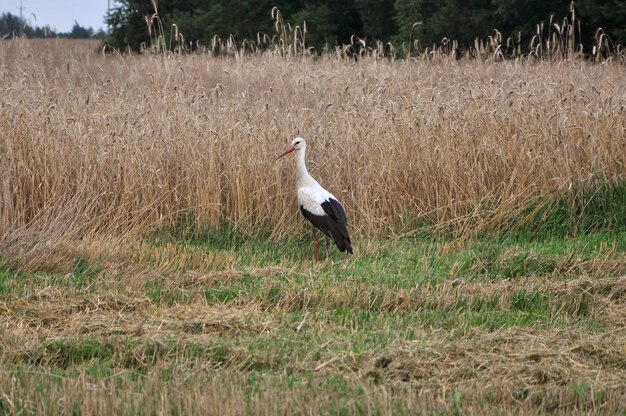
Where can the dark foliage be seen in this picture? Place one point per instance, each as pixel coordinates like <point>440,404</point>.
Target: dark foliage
<point>331,23</point>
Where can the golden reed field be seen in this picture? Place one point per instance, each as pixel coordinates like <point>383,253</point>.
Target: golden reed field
<point>114,145</point>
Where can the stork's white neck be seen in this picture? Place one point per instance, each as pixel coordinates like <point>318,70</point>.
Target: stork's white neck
<point>303,178</point>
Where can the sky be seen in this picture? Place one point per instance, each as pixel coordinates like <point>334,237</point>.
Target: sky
<point>59,14</point>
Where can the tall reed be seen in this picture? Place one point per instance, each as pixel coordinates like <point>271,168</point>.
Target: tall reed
<point>120,145</point>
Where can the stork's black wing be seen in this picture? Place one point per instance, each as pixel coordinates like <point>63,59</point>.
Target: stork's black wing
<point>333,224</point>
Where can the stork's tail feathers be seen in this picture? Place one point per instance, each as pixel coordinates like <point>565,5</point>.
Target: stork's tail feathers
<point>343,243</point>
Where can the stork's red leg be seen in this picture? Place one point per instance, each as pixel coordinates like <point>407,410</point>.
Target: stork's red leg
<point>315,253</point>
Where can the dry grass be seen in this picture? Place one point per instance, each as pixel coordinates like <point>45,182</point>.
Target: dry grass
<point>386,335</point>
<point>517,370</point>
<point>121,145</point>
<point>514,367</point>
<point>107,347</point>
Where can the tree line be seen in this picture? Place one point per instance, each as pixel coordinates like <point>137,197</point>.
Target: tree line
<point>12,26</point>
<point>421,23</point>
<point>330,23</point>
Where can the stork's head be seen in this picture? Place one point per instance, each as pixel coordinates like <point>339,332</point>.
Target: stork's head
<point>297,144</point>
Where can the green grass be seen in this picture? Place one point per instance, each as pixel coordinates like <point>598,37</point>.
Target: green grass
<point>351,335</point>
<point>583,209</point>
<point>84,273</point>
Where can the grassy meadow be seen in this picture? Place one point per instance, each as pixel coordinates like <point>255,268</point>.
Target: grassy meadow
<point>153,260</point>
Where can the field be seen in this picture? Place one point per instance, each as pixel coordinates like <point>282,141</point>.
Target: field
<point>153,261</point>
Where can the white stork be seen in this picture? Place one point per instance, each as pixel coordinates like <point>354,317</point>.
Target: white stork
<point>318,205</point>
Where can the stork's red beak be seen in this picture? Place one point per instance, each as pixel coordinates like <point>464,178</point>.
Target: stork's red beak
<point>290,149</point>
